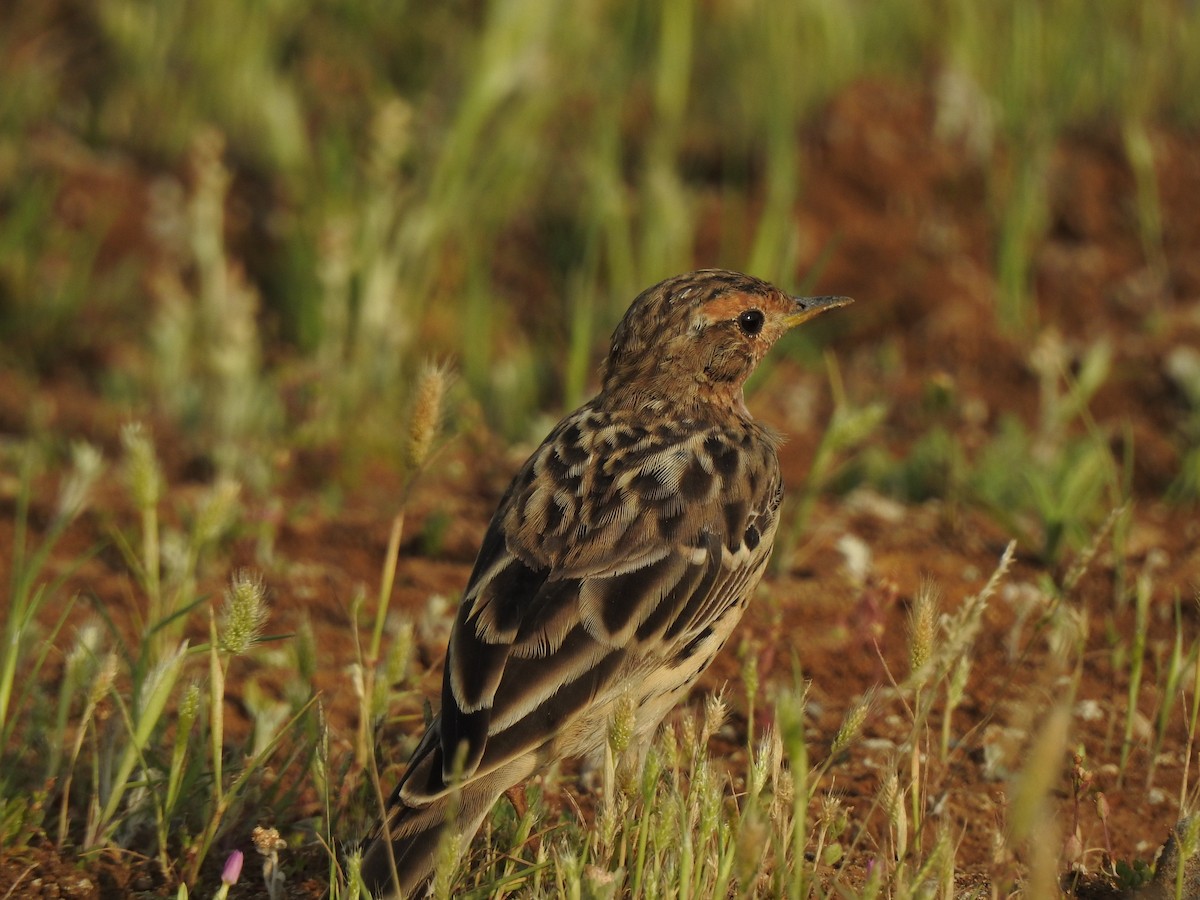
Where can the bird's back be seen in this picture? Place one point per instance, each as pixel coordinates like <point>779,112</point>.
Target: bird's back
<point>616,566</point>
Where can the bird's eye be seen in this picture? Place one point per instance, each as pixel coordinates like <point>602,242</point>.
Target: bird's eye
<point>751,321</point>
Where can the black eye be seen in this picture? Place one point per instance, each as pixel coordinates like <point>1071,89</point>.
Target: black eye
<point>751,321</point>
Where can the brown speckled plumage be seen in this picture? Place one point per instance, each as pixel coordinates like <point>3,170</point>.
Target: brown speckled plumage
<point>620,558</point>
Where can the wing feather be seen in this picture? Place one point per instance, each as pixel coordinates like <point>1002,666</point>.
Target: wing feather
<point>616,551</point>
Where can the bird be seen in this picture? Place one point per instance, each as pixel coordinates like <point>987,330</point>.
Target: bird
<point>614,569</point>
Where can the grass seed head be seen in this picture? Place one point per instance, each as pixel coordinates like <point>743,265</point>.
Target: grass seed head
<point>106,674</point>
<point>142,471</point>
<point>305,647</point>
<point>354,882</point>
<point>671,756</point>
<point>217,511</point>
<point>161,676</point>
<point>84,656</point>
<point>620,726</point>
<point>753,837</point>
<point>601,884</point>
<point>1068,631</point>
<point>763,764</point>
<point>86,465</point>
<point>956,688</point>
<point>834,815</point>
<point>750,673</point>
<point>391,132</point>
<point>244,613</point>
<point>611,814</point>
<point>690,736</point>
<point>426,414</point>
<point>941,855</point>
<point>922,625</point>
<point>1189,837</point>
<point>716,710</point>
<point>207,151</point>
<point>1033,785</point>
<point>400,654</point>
<point>852,723</point>
<point>447,863</point>
<point>892,797</point>
<point>189,705</point>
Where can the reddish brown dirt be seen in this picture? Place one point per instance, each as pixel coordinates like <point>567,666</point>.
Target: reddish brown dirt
<point>907,215</point>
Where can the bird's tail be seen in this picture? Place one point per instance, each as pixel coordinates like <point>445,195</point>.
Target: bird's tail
<point>402,855</point>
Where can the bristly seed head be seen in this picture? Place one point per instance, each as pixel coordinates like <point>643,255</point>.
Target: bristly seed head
<point>922,625</point>
<point>87,464</point>
<point>620,726</point>
<point>426,414</point>
<point>716,710</point>
<point>244,613</point>
<point>189,705</point>
<point>141,466</point>
<point>853,722</point>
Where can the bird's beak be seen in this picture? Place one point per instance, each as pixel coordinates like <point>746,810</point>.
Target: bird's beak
<point>808,307</point>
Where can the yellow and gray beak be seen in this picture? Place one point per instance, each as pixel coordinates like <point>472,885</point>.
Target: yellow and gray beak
<point>809,307</point>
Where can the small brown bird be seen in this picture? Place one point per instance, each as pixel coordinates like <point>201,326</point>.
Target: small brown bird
<point>616,566</point>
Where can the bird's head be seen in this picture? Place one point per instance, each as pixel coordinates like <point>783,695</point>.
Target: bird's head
<point>690,342</point>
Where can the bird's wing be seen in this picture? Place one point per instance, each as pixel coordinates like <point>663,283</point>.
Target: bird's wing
<point>615,545</point>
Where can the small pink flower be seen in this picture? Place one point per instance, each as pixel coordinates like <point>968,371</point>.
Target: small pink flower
<point>233,868</point>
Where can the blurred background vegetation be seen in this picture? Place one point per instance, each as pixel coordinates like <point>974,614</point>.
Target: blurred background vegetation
<point>258,219</point>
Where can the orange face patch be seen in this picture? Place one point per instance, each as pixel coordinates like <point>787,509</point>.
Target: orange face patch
<point>728,306</point>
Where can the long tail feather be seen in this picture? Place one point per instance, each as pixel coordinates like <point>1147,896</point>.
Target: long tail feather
<point>414,832</point>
